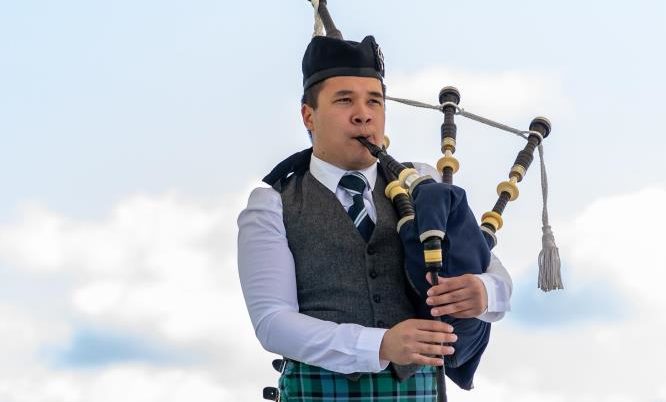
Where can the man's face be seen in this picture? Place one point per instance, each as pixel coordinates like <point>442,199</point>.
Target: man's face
<point>347,107</point>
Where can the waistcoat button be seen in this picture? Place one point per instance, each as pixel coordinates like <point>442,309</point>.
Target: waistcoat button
<point>373,274</point>
<point>376,298</point>
<point>372,250</point>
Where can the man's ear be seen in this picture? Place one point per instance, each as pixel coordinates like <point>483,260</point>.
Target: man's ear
<point>306,114</point>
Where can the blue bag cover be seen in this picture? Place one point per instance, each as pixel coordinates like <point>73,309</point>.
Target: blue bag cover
<point>441,206</point>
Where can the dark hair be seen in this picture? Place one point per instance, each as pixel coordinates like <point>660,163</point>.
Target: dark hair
<point>311,94</point>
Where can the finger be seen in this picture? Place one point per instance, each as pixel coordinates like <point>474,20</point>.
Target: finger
<point>435,350</point>
<point>469,309</point>
<point>433,326</point>
<point>452,308</point>
<point>426,360</point>
<point>435,337</point>
<point>447,285</point>
<point>449,297</point>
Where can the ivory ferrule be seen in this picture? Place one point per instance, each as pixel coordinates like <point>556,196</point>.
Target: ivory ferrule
<point>431,233</point>
<point>407,177</point>
<point>417,181</point>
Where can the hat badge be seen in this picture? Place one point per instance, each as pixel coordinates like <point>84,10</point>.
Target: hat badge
<point>379,59</point>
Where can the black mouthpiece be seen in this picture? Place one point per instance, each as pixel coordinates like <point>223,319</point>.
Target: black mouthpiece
<point>374,149</point>
<point>385,159</point>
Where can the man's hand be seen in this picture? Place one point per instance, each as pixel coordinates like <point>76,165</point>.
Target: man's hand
<point>463,296</point>
<point>416,341</point>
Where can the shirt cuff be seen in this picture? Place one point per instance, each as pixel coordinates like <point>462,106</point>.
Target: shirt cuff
<point>368,344</point>
<point>495,309</point>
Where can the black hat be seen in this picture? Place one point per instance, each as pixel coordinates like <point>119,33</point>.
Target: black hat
<point>328,57</point>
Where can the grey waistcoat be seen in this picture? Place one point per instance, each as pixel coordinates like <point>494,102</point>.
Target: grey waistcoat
<point>339,277</point>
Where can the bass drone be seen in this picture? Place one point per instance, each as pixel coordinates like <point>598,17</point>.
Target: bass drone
<point>438,230</point>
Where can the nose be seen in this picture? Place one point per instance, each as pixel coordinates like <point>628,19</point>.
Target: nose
<point>361,115</point>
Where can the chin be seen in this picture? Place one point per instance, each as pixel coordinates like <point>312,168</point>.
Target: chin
<point>361,164</point>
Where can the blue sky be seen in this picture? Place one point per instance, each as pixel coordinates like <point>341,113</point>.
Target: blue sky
<point>132,132</point>
<point>156,95</point>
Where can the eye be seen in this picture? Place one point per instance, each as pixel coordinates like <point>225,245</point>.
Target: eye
<point>376,102</point>
<point>343,100</point>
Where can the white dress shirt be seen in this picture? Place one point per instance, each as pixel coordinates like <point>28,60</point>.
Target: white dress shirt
<point>268,279</point>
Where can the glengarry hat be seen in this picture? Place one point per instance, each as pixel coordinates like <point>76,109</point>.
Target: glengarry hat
<point>327,57</point>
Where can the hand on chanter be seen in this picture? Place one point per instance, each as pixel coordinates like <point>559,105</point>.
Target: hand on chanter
<point>417,341</point>
<point>462,296</point>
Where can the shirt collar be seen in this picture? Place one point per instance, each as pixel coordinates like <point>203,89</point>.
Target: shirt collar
<point>329,175</point>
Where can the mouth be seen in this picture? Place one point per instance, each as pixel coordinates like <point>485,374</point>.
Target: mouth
<point>366,132</point>
<point>367,137</point>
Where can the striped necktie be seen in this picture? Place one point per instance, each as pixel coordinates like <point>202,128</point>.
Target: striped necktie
<point>354,184</point>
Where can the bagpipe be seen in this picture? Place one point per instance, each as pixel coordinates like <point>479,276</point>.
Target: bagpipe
<point>441,237</point>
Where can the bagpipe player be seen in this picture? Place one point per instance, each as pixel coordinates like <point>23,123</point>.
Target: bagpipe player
<point>321,264</point>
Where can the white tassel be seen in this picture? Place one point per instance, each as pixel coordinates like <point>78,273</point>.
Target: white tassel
<point>550,277</point>
<point>549,262</point>
<point>318,23</point>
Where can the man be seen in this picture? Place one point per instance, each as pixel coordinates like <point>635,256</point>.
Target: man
<point>326,291</point>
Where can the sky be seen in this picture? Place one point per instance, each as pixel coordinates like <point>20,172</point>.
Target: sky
<point>131,134</point>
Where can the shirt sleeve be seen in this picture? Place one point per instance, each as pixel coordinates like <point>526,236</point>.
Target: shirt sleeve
<point>496,279</point>
<point>268,279</point>
<point>499,286</point>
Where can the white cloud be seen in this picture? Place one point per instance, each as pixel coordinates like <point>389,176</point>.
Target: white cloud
<point>620,239</point>
<point>24,336</point>
<point>131,383</point>
<point>158,267</point>
<point>34,242</point>
<point>154,264</point>
<point>503,95</point>
<point>597,362</point>
<point>615,240</point>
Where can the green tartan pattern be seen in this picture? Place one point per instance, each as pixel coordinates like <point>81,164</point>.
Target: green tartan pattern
<point>303,382</point>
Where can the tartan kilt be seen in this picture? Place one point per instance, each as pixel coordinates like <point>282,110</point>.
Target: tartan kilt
<point>303,382</point>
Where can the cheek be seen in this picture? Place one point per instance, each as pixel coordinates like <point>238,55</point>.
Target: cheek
<point>334,130</point>
<point>381,118</point>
